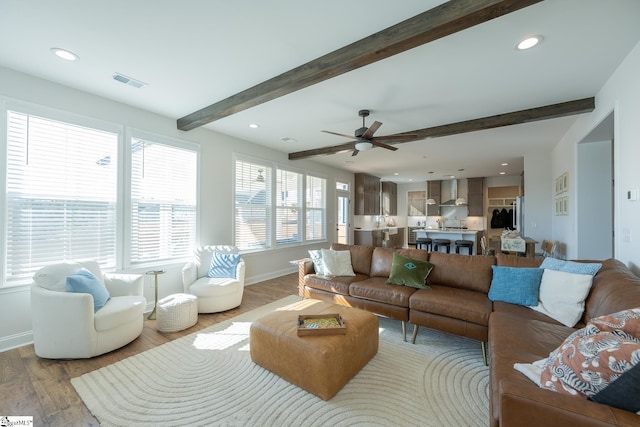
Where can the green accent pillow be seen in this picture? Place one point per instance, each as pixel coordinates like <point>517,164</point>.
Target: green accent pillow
<point>409,272</point>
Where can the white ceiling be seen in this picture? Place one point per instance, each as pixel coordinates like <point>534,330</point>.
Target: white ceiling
<point>194,53</point>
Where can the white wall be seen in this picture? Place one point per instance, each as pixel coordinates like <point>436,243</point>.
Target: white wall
<point>594,196</point>
<point>538,201</point>
<point>216,206</point>
<point>621,94</point>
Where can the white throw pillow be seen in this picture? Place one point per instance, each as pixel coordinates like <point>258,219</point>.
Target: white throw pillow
<point>562,295</point>
<point>337,263</point>
<point>54,277</point>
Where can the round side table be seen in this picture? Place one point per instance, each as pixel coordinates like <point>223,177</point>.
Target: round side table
<point>155,273</point>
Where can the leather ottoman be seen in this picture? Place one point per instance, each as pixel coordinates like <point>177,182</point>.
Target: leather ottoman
<point>320,364</point>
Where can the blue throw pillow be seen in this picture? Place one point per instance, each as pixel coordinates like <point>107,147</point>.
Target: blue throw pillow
<point>571,266</point>
<point>516,285</point>
<point>224,265</point>
<point>85,282</point>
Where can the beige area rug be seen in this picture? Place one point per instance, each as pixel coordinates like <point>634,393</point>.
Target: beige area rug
<point>207,378</point>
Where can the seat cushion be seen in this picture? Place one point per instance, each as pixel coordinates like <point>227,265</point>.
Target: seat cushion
<point>462,304</point>
<point>212,286</point>
<point>118,311</point>
<point>337,285</point>
<point>377,289</point>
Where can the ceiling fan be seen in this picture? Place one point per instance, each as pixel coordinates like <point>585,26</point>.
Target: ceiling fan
<point>365,139</point>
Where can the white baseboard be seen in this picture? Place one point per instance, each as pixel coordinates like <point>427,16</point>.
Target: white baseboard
<point>14,341</point>
<point>268,276</point>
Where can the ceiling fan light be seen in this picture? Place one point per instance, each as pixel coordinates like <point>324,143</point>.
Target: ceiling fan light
<point>364,145</point>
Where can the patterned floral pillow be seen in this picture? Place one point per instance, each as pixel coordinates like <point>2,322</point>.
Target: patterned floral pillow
<point>589,360</point>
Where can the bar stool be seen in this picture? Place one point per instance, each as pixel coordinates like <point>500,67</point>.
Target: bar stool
<point>441,242</point>
<point>424,243</point>
<point>464,244</point>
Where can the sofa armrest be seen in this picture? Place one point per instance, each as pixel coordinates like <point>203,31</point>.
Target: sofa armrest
<point>531,406</point>
<point>189,275</point>
<point>305,266</point>
<point>120,284</point>
<point>240,271</point>
<point>62,321</point>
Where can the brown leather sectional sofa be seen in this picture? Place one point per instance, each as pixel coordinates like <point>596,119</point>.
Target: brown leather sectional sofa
<point>457,303</point>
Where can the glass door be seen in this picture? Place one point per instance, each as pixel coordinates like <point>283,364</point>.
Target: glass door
<point>343,200</point>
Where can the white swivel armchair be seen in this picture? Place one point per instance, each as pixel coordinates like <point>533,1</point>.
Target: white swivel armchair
<point>64,323</point>
<point>214,294</point>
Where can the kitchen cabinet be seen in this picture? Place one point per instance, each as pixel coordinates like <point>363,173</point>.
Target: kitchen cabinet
<point>475,196</point>
<point>367,194</point>
<point>434,192</point>
<point>389,198</point>
<point>417,203</point>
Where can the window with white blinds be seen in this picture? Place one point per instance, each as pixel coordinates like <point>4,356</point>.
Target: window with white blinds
<point>252,193</point>
<point>61,194</point>
<point>316,208</point>
<point>276,206</point>
<point>163,201</point>
<point>288,207</point>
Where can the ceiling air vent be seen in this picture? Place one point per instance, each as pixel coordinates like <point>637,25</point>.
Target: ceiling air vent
<point>128,80</point>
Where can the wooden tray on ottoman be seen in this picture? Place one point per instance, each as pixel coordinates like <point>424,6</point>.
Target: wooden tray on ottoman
<point>334,324</point>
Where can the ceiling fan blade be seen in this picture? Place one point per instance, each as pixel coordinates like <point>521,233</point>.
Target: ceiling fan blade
<point>399,137</point>
<point>339,134</point>
<point>372,129</point>
<point>355,152</point>
<point>383,145</point>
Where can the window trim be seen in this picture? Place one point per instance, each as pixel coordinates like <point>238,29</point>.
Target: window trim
<point>273,245</point>
<point>126,224</point>
<point>123,180</point>
<point>48,113</point>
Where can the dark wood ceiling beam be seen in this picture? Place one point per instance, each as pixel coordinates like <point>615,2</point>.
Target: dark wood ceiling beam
<point>547,112</point>
<point>553,111</point>
<point>441,21</point>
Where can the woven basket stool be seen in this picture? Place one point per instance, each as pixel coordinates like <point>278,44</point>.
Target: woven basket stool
<point>321,365</point>
<point>177,312</point>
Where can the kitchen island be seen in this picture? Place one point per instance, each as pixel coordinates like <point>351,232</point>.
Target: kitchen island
<point>452,234</point>
<point>387,237</point>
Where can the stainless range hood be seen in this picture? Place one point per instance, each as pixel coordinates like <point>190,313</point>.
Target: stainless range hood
<point>454,200</point>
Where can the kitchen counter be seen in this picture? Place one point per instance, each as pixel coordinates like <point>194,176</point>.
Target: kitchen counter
<point>446,231</point>
<point>375,229</point>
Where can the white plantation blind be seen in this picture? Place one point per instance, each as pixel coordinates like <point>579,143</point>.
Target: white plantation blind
<point>275,206</point>
<point>316,208</point>
<point>61,194</point>
<point>288,207</point>
<point>253,209</point>
<point>163,201</point>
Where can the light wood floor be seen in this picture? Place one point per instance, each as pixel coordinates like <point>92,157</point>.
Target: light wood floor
<point>31,386</point>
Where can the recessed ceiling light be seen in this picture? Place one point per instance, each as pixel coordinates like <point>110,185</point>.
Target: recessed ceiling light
<point>254,126</point>
<point>288,140</point>
<point>529,42</point>
<point>503,173</point>
<point>64,54</point>
<point>396,173</point>
<point>504,164</point>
